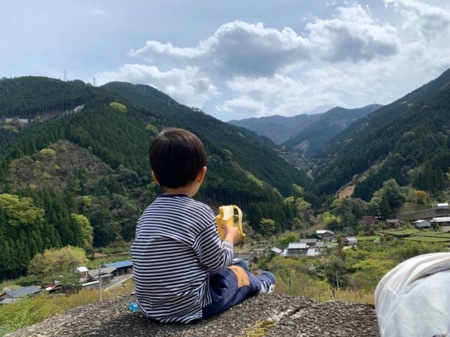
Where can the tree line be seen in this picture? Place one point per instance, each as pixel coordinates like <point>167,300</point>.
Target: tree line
<point>86,178</point>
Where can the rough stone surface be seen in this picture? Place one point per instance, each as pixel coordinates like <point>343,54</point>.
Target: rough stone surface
<point>273,315</point>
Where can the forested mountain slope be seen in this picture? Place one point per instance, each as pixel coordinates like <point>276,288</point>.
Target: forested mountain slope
<point>330,123</point>
<point>277,128</point>
<point>305,134</point>
<point>27,97</point>
<point>407,140</point>
<point>222,139</point>
<point>74,170</point>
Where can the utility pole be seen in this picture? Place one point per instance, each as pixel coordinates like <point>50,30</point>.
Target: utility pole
<point>99,284</point>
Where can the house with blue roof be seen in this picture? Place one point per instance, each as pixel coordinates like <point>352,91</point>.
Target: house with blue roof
<point>12,295</point>
<point>120,268</point>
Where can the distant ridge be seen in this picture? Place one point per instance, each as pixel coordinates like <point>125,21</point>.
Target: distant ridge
<point>329,124</point>
<point>277,128</point>
<point>407,140</point>
<point>305,133</point>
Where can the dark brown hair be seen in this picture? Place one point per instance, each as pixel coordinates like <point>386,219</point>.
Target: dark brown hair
<point>176,157</point>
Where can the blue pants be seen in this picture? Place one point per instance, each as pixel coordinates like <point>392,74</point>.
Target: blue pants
<point>229,287</point>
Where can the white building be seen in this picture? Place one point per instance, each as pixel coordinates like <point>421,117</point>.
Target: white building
<point>443,220</point>
<point>422,224</point>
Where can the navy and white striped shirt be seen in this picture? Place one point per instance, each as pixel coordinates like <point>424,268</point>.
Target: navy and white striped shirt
<point>176,245</point>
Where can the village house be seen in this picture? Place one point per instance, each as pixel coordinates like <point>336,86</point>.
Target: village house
<point>349,241</point>
<point>295,249</point>
<point>422,224</point>
<point>105,273</point>
<point>320,245</point>
<point>120,268</point>
<point>394,223</point>
<point>442,205</point>
<point>12,295</point>
<point>310,243</point>
<point>325,234</point>
<point>308,247</point>
<point>82,271</point>
<point>260,252</point>
<point>312,252</point>
<point>442,221</point>
<point>276,251</point>
<point>54,287</point>
<point>368,220</point>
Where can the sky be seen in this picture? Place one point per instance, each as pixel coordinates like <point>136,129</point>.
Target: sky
<point>235,59</point>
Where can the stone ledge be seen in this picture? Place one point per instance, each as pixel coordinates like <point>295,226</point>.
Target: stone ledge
<point>273,315</point>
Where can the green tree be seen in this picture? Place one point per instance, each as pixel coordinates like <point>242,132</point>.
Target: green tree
<point>393,194</point>
<point>343,208</point>
<point>370,271</point>
<point>422,197</point>
<point>70,282</point>
<point>411,249</point>
<point>267,226</point>
<point>332,222</point>
<point>335,271</point>
<point>304,210</point>
<point>87,231</point>
<point>286,239</point>
<point>20,211</point>
<point>373,206</point>
<point>118,106</point>
<point>385,209</point>
<point>54,262</point>
<point>152,129</point>
<point>47,154</point>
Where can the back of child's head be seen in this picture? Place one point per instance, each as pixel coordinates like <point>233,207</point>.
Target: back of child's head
<point>176,157</point>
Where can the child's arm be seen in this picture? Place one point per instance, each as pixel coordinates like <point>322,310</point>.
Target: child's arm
<point>213,253</point>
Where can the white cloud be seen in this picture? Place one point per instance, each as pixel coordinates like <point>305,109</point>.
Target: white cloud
<point>236,48</point>
<point>184,85</point>
<point>252,50</point>
<point>154,50</point>
<point>246,105</point>
<point>352,35</point>
<point>430,21</point>
<point>351,58</point>
<point>310,92</point>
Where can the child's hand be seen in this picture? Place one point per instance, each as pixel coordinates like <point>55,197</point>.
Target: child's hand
<point>231,234</point>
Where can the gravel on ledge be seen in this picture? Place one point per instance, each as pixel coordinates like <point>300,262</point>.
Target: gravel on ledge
<point>273,315</point>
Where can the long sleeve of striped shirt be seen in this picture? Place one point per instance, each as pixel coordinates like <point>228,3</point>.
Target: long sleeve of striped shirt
<point>176,245</point>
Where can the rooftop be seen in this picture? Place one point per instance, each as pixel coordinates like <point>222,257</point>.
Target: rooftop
<point>16,293</point>
<point>120,264</point>
<point>297,245</point>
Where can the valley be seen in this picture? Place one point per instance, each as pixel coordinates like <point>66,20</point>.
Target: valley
<point>81,180</point>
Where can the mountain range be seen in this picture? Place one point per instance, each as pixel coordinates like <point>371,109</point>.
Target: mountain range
<point>306,134</point>
<point>74,170</point>
<point>277,128</point>
<point>407,140</point>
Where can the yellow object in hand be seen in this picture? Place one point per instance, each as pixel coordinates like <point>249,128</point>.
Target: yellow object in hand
<point>226,215</point>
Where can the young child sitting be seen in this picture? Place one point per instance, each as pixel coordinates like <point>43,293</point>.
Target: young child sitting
<point>182,270</point>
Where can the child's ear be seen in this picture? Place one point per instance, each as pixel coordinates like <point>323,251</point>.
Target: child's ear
<point>201,175</point>
<point>155,178</point>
